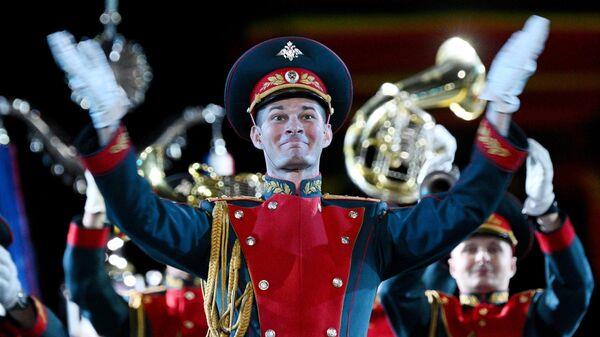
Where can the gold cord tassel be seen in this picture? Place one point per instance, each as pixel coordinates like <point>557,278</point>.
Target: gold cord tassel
<point>221,325</point>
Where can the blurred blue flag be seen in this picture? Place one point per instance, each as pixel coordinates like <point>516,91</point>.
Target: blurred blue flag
<point>13,210</point>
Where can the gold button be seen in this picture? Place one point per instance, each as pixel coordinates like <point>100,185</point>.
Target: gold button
<point>147,299</point>
<point>523,299</point>
<point>444,300</point>
<point>189,295</point>
<point>331,332</point>
<point>337,282</point>
<point>345,240</point>
<point>250,241</point>
<point>483,311</point>
<point>188,324</point>
<point>482,323</point>
<point>272,205</point>
<point>239,214</point>
<point>353,214</point>
<point>270,333</point>
<point>263,285</point>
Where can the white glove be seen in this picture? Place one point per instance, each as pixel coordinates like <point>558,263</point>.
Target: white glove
<point>442,155</point>
<point>222,163</point>
<point>538,182</point>
<point>95,209</point>
<point>514,64</point>
<point>90,77</point>
<point>10,286</point>
<point>94,202</point>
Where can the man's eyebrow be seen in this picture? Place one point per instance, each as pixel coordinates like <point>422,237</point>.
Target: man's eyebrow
<point>304,107</point>
<point>280,107</point>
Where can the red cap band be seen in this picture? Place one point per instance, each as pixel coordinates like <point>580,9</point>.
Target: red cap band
<point>286,78</point>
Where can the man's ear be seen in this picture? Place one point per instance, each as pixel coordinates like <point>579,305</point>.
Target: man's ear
<point>513,266</point>
<point>255,137</point>
<point>451,268</point>
<point>328,136</point>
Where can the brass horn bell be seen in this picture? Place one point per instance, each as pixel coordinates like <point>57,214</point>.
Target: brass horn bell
<point>386,144</point>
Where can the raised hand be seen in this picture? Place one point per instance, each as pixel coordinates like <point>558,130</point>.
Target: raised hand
<point>514,64</point>
<point>90,77</point>
<point>95,209</point>
<point>538,181</point>
<point>510,70</point>
<point>442,155</point>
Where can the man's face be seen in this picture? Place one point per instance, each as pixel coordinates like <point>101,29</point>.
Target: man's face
<point>482,264</point>
<point>292,134</point>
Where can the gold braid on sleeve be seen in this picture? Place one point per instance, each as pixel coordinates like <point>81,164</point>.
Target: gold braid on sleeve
<point>223,324</point>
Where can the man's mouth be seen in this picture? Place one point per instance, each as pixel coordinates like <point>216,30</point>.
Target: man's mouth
<point>294,142</point>
<point>483,271</point>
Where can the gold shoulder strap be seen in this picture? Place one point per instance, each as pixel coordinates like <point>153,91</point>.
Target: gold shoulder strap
<point>137,321</point>
<point>222,324</point>
<point>434,301</point>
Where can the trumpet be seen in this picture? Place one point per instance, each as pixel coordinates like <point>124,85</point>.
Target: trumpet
<point>386,144</point>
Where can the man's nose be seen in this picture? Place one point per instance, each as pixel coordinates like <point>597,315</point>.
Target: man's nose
<point>294,126</point>
<point>482,256</point>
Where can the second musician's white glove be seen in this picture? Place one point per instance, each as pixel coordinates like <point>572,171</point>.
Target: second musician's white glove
<point>10,286</point>
<point>538,181</point>
<point>95,209</point>
<point>442,155</point>
<point>94,202</point>
<point>90,77</point>
<point>514,64</point>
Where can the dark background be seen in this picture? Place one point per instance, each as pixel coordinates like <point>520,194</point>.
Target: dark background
<point>191,47</point>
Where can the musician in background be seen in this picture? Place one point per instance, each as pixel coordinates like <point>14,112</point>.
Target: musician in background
<point>175,309</point>
<point>483,264</point>
<point>21,315</point>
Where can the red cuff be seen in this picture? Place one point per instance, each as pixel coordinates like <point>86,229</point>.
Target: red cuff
<point>41,320</point>
<point>87,238</point>
<point>111,155</point>
<point>557,240</point>
<point>497,149</point>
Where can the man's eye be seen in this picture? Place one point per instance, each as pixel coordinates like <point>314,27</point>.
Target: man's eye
<point>309,116</point>
<point>494,250</point>
<point>470,250</point>
<point>277,117</point>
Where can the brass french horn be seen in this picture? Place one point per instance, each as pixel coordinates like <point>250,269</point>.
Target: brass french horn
<point>386,144</point>
<point>205,182</point>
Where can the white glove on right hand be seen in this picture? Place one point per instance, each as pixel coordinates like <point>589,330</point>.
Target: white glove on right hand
<point>222,163</point>
<point>514,64</point>
<point>10,286</point>
<point>538,181</point>
<point>90,77</point>
<point>442,155</point>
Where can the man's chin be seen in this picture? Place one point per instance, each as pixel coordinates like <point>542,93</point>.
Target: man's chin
<point>296,163</point>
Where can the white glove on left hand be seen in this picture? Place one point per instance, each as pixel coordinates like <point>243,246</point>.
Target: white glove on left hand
<point>90,77</point>
<point>95,209</point>
<point>538,181</point>
<point>442,155</point>
<point>10,286</point>
<point>514,64</point>
<point>94,202</point>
